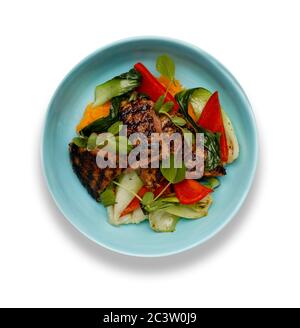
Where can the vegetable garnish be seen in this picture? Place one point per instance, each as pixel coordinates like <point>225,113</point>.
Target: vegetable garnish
<point>192,211</point>
<point>92,141</point>
<point>173,87</point>
<point>166,67</point>
<point>212,182</point>
<point>198,100</point>
<point>80,141</point>
<point>161,221</point>
<point>115,128</point>
<point>117,86</point>
<point>102,124</point>
<point>147,198</point>
<point>108,197</point>
<point>151,86</point>
<point>128,186</point>
<point>166,107</point>
<point>211,140</point>
<point>211,119</point>
<point>178,121</point>
<point>93,113</point>
<point>135,203</point>
<point>159,102</point>
<point>190,191</point>
<point>172,173</point>
<point>128,190</point>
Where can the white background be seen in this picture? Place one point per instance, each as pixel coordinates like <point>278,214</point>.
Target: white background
<point>254,261</point>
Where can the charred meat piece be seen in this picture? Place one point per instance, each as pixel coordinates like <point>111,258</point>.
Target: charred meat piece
<point>151,178</point>
<point>217,172</point>
<point>139,116</point>
<point>167,126</point>
<point>94,179</point>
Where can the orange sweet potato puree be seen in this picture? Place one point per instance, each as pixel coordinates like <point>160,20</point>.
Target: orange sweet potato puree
<point>92,113</point>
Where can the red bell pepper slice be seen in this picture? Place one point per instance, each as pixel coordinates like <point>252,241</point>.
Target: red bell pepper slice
<point>152,87</point>
<point>190,191</point>
<point>211,119</point>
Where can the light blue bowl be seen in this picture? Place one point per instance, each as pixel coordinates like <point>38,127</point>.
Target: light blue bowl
<point>193,68</point>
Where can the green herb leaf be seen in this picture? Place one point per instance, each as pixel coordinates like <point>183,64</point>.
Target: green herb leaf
<point>179,121</point>
<point>91,143</point>
<point>166,67</point>
<point>80,141</point>
<point>172,173</point>
<point>166,107</point>
<point>148,198</point>
<point>159,102</point>
<point>108,197</point>
<point>115,128</point>
<point>168,173</point>
<point>180,174</point>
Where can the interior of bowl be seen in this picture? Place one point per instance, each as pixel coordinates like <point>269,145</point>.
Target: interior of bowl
<point>193,68</point>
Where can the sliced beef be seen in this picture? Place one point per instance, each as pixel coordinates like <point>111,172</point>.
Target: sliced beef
<point>94,179</point>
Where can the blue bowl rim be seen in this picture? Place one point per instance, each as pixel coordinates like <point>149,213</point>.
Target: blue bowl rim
<point>236,85</point>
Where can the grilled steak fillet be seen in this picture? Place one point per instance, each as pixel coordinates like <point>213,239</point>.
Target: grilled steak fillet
<point>94,179</point>
<point>151,178</point>
<point>139,116</point>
